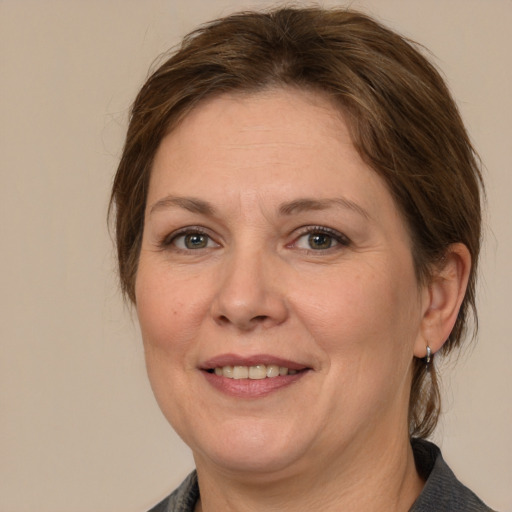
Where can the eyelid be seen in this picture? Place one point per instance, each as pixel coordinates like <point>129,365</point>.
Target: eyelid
<point>169,240</point>
<point>340,239</point>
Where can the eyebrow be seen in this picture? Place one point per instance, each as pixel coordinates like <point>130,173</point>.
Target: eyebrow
<point>306,204</point>
<point>200,206</point>
<point>191,204</point>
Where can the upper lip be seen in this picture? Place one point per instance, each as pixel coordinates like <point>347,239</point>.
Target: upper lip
<point>253,360</point>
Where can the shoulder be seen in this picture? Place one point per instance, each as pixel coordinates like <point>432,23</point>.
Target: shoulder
<point>183,499</point>
<point>442,491</point>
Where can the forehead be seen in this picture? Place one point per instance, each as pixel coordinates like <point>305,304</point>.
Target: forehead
<point>240,119</point>
<point>280,144</point>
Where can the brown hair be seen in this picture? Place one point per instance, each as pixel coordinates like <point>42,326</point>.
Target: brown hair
<point>403,122</point>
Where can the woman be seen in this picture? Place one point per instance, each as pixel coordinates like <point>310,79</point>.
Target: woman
<point>298,224</point>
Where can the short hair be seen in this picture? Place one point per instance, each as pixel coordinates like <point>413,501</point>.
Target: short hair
<point>401,116</point>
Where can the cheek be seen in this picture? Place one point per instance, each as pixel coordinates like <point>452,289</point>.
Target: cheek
<point>165,327</point>
<point>363,325</point>
<point>168,308</point>
<point>359,315</point>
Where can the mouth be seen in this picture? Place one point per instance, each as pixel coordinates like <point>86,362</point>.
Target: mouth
<point>252,377</point>
<point>253,372</point>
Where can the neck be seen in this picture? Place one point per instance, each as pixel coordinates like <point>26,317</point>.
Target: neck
<point>380,478</point>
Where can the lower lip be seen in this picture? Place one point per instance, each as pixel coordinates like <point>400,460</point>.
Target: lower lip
<point>252,388</point>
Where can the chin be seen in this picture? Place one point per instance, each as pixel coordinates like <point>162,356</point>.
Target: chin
<point>251,463</point>
<point>247,449</point>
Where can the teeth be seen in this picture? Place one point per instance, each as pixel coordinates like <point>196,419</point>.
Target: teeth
<point>256,372</point>
<point>272,370</point>
<point>240,372</point>
<point>227,371</point>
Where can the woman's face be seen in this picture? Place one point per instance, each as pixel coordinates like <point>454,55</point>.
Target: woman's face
<point>269,244</point>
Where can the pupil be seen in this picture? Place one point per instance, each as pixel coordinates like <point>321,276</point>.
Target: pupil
<point>320,241</point>
<point>195,241</point>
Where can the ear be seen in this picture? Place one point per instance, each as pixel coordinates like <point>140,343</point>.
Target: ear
<point>443,297</point>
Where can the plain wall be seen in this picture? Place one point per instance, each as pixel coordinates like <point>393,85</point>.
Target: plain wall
<point>79,428</point>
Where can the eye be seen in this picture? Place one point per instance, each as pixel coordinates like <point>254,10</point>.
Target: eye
<point>191,240</point>
<point>320,239</point>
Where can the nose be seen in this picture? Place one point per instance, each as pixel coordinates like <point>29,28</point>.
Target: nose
<point>250,293</point>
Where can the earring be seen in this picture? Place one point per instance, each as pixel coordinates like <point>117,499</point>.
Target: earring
<point>428,358</point>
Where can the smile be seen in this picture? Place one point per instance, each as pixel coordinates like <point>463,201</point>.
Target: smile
<point>253,372</point>
<point>253,376</point>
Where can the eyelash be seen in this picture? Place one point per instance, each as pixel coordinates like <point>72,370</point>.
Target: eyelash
<point>170,240</point>
<point>339,238</point>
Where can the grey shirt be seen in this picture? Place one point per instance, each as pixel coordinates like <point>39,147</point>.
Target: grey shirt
<point>442,491</point>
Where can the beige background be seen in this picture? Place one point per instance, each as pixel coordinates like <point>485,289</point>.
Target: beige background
<point>79,429</point>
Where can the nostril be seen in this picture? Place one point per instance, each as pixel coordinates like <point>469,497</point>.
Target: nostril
<point>223,319</point>
<point>255,320</point>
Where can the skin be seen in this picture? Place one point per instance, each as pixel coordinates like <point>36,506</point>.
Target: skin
<point>353,313</point>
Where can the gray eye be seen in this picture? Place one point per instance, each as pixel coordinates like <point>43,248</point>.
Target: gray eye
<point>195,241</point>
<point>320,241</point>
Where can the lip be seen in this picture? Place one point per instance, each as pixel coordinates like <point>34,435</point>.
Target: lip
<point>237,360</point>
<point>251,388</point>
